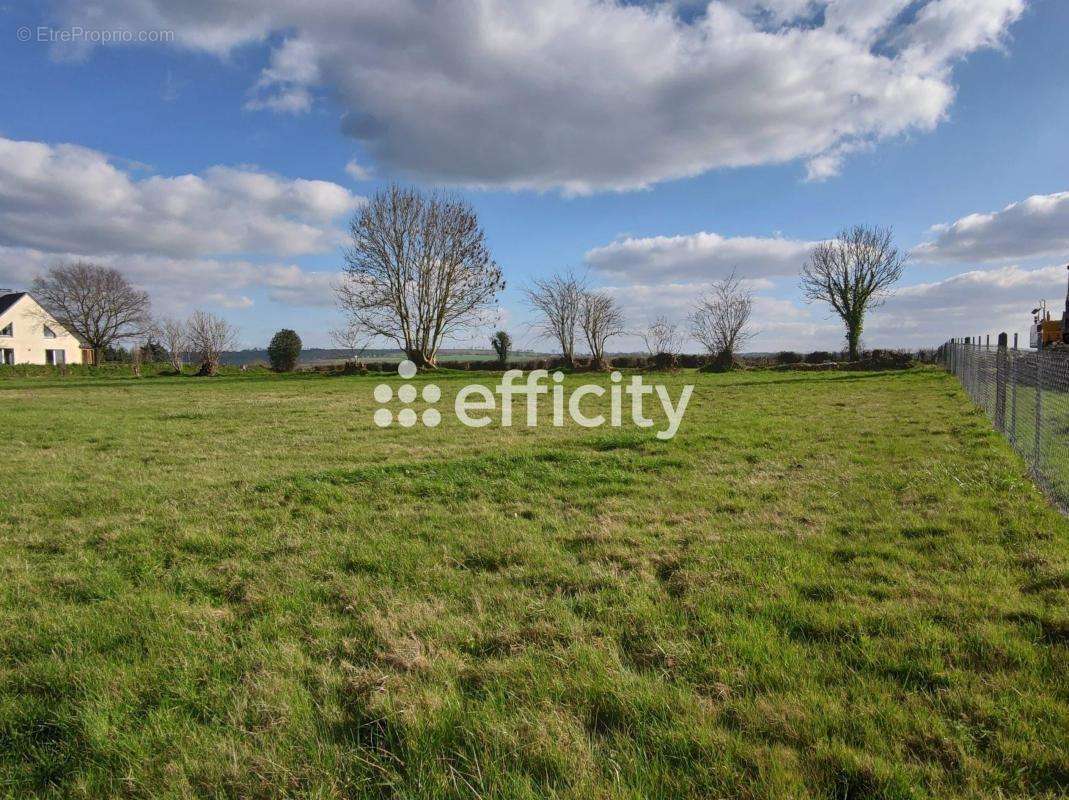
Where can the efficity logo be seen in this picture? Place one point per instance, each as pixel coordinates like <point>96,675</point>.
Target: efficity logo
<point>475,405</point>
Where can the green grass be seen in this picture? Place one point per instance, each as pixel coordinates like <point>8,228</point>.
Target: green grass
<point>827,585</point>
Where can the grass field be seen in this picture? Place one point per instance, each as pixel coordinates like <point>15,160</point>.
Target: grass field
<point>827,585</point>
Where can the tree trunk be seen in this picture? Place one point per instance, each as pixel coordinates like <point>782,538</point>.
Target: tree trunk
<point>853,337</point>
<point>418,358</point>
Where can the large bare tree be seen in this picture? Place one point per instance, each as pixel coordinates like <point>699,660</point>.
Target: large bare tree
<point>209,336</point>
<point>600,318</point>
<point>558,301</point>
<point>174,335</point>
<point>418,270</point>
<point>95,303</point>
<point>854,272</point>
<point>720,321</point>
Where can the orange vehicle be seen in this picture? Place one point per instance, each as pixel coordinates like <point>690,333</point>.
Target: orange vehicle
<point>1047,332</point>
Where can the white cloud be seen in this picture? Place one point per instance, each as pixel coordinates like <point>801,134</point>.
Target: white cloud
<point>295,100</point>
<point>974,303</point>
<point>180,284</point>
<point>357,171</point>
<point>589,95</point>
<point>978,302</point>
<point>830,163</point>
<point>699,256</point>
<point>1033,228</point>
<point>69,198</point>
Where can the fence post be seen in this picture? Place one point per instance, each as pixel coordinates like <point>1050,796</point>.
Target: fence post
<point>1014,361</point>
<point>1039,409</point>
<point>1000,382</point>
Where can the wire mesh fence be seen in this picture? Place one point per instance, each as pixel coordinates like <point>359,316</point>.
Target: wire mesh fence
<point>1025,393</point>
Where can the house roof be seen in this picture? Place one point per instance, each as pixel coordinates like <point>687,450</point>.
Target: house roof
<point>8,300</point>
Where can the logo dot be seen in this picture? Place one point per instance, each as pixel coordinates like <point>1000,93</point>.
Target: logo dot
<point>431,393</point>
<point>383,417</point>
<point>406,417</point>
<point>406,369</point>
<point>431,418</point>
<point>383,393</point>
<point>407,393</point>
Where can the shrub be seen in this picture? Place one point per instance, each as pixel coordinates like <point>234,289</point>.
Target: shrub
<point>665,361</point>
<point>502,343</point>
<point>885,359</point>
<point>821,357</point>
<point>788,357</point>
<point>284,350</point>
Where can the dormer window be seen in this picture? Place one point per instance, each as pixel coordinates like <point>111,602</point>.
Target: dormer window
<point>49,333</point>
<point>8,330</point>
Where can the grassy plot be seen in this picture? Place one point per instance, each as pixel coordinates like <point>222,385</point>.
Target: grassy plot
<point>827,585</point>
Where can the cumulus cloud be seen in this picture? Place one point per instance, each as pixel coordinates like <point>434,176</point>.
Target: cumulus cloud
<point>69,198</point>
<point>178,284</point>
<point>211,238</point>
<point>1033,228</point>
<point>978,302</point>
<point>698,256</point>
<point>589,95</point>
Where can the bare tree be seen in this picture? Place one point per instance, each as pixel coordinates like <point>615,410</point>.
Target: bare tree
<point>600,318</point>
<point>418,270</point>
<point>662,336</point>
<point>350,337</point>
<point>721,318</point>
<point>93,302</point>
<point>209,336</point>
<point>174,336</point>
<point>558,300</point>
<point>854,272</point>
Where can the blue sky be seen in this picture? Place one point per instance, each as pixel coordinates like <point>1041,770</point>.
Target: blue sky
<point>691,161</point>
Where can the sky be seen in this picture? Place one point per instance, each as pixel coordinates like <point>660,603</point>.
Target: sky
<point>215,151</point>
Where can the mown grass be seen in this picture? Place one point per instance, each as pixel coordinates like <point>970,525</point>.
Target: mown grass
<point>827,585</point>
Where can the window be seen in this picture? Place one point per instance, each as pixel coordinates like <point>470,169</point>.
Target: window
<point>55,357</point>
<point>7,356</point>
<point>49,333</point>
<point>8,330</point>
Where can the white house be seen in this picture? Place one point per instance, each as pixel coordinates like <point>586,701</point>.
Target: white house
<point>29,335</point>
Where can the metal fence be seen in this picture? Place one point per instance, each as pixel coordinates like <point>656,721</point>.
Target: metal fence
<point>1025,393</point>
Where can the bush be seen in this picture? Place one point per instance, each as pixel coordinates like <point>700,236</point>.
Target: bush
<point>665,361</point>
<point>788,357</point>
<point>284,350</point>
<point>821,357</point>
<point>886,359</point>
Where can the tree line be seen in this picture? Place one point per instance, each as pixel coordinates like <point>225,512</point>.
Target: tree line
<point>418,270</point>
